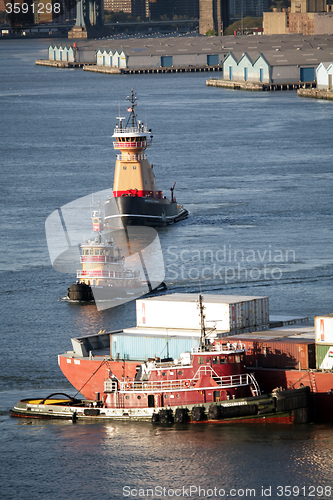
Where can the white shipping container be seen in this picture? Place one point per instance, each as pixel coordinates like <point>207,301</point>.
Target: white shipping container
<point>324,329</point>
<point>223,313</point>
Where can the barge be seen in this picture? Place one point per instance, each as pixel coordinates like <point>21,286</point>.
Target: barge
<point>208,382</point>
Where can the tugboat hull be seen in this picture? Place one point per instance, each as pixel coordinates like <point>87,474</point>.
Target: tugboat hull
<point>289,407</point>
<point>142,211</point>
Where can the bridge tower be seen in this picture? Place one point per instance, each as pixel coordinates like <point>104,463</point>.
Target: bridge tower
<point>89,19</point>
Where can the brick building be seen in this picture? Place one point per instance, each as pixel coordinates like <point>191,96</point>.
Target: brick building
<point>136,8</point>
<point>306,17</point>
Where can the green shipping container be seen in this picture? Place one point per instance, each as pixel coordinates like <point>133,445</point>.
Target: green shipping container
<point>324,357</point>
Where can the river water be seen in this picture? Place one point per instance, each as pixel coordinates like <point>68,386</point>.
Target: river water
<point>255,172</point>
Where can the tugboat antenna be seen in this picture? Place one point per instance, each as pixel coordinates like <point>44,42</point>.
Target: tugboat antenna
<point>132,117</point>
<point>202,319</point>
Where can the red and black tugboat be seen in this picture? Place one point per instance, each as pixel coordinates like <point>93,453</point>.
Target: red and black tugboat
<point>210,383</point>
<point>136,200</point>
<point>103,268</point>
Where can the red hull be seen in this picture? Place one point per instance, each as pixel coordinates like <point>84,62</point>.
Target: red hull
<point>320,383</point>
<point>88,375</point>
<point>287,419</point>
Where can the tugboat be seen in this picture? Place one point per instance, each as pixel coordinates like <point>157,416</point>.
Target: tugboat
<point>210,384</point>
<point>104,276</point>
<point>136,200</point>
<point>103,267</point>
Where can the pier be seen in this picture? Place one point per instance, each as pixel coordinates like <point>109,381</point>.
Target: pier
<point>126,71</point>
<point>137,71</point>
<point>316,94</point>
<point>259,86</point>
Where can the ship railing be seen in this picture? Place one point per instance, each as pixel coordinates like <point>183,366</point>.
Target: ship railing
<point>219,348</point>
<point>99,273</point>
<point>103,259</point>
<point>228,381</point>
<point>142,129</point>
<point>129,157</point>
<point>132,144</point>
<point>110,385</point>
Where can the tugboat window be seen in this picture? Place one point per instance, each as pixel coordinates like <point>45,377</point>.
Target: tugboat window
<point>200,360</point>
<point>223,360</point>
<point>134,167</point>
<point>237,358</point>
<point>124,168</point>
<point>96,251</point>
<point>215,360</point>
<point>231,359</point>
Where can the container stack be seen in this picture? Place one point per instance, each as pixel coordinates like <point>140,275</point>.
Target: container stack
<point>290,348</point>
<point>224,314</point>
<point>324,342</point>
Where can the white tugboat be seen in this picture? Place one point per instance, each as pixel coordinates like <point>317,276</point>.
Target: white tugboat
<point>104,273</point>
<point>103,266</point>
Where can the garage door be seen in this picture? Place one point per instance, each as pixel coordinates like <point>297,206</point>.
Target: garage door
<point>212,60</point>
<point>307,74</point>
<point>166,61</point>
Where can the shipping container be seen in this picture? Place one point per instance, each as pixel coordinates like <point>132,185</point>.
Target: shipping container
<point>324,357</point>
<point>324,329</point>
<point>283,352</point>
<point>135,347</point>
<point>140,348</point>
<point>223,313</point>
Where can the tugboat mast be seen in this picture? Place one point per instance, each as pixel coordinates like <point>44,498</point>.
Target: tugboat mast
<point>202,319</point>
<point>132,116</point>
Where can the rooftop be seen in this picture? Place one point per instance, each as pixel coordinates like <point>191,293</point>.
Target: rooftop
<point>283,50</point>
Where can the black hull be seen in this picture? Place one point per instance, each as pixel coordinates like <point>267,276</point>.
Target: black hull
<point>80,292</point>
<point>83,293</point>
<point>136,211</point>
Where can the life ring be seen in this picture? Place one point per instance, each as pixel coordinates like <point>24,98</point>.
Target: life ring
<point>187,383</point>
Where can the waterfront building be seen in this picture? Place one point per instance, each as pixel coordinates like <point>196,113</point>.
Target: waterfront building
<point>243,8</point>
<point>171,9</point>
<point>324,76</point>
<point>137,8</point>
<point>252,58</point>
<point>307,17</point>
